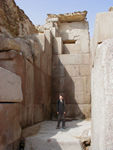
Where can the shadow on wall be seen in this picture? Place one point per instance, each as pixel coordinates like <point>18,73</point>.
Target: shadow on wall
<point>63,83</point>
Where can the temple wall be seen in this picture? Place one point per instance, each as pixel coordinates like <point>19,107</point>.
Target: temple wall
<point>71,68</point>
<point>25,73</point>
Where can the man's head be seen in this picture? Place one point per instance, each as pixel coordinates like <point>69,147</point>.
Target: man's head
<point>60,97</point>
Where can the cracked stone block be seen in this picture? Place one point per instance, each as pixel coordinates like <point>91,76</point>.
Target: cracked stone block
<point>10,86</point>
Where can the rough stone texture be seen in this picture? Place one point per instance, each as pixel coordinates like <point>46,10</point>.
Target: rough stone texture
<point>50,138</point>
<point>70,31</point>
<point>13,21</point>
<point>103,21</point>
<point>71,68</point>
<point>103,30</point>
<point>10,129</point>
<point>29,59</point>
<point>102,97</point>
<point>12,83</point>
<point>69,17</point>
<point>57,45</point>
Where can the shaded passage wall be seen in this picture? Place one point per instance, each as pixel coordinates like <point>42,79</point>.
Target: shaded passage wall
<point>25,74</point>
<point>71,63</point>
<point>30,95</point>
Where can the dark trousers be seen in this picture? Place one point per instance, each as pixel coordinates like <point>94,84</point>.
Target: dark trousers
<point>61,117</point>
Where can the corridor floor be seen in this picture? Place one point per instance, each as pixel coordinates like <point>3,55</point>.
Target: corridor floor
<point>50,138</point>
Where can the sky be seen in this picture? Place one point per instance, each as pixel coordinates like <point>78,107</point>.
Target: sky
<point>37,10</point>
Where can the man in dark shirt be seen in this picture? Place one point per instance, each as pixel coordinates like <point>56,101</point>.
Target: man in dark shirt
<point>61,112</point>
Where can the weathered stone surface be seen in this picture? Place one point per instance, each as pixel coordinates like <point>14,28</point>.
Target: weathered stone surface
<point>18,44</point>
<point>20,24</point>
<point>86,59</point>
<point>69,17</point>
<point>102,97</point>
<point>75,59</point>
<point>52,19</point>
<point>74,31</point>
<point>10,87</point>
<point>55,32</point>
<point>79,111</point>
<point>8,55</point>
<point>67,59</point>
<point>38,113</point>
<point>103,29</point>
<point>58,71</point>
<point>29,93</point>
<point>71,67</point>
<point>57,45</point>
<point>72,70</point>
<point>83,98</point>
<point>58,84</point>
<point>9,44</point>
<point>10,129</point>
<point>80,85</point>
<point>72,48</point>
<point>41,39</point>
<point>85,70</point>
<point>21,63</point>
<point>85,40</point>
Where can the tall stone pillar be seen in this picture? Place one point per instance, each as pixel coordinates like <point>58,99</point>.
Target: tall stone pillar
<point>102,97</point>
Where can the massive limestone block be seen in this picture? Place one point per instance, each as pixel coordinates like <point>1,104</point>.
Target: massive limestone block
<point>102,97</point>
<point>69,17</point>
<point>13,21</point>
<point>10,129</point>
<point>75,40</point>
<point>19,45</point>
<point>76,59</point>
<point>25,73</point>
<point>57,45</point>
<point>10,87</point>
<point>8,43</point>
<point>103,29</point>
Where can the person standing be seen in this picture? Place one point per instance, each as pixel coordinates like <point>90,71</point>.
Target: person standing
<point>61,112</point>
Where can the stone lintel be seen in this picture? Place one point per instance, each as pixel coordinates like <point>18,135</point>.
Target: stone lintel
<point>69,17</point>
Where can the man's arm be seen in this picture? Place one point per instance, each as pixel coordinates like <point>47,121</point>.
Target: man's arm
<point>58,107</point>
<point>64,107</point>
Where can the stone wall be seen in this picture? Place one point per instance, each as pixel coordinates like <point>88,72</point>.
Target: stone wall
<point>25,73</point>
<point>102,97</point>
<point>25,83</point>
<point>71,65</point>
<point>102,31</point>
<point>13,21</point>
<point>102,82</point>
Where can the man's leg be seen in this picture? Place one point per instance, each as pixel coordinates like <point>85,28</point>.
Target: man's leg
<point>59,120</point>
<point>63,121</point>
